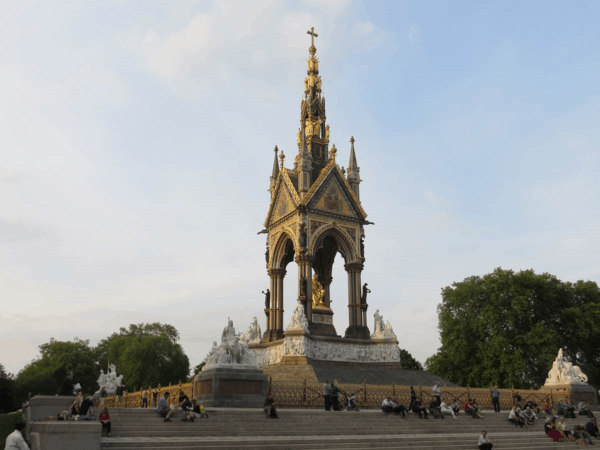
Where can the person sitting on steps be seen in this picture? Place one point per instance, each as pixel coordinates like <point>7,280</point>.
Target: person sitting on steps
<point>471,409</point>
<point>484,441</point>
<point>584,409</point>
<point>163,407</point>
<point>186,409</point>
<point>580,434</point>
<point>199,411</point>
<point>448,411</point>
<point>592,428</point>
<point>419,409</point>
<point>515,418</point>
<point>435,409</point>
<point>105,420</point>
<point>270,409</point>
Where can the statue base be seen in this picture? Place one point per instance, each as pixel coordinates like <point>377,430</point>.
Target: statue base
<point>322,322</point>
<point>231,387</point>
<point>579,392</point>
<point>356,332</point>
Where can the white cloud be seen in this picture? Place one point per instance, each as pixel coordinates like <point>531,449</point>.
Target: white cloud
<point>414,33</point>
<point>363,29</point>
<point>8,173</point>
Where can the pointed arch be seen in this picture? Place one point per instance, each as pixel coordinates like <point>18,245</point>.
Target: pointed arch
<point>283,250</point>
<point>344,242</point>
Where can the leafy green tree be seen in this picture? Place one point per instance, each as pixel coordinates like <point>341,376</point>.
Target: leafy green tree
<point>45,374</point>
<point>408,362</point>
<point>505,329</point>
<point>7,385</point>
<point>146,354</point>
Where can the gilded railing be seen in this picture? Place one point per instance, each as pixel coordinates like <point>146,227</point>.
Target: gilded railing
<point>134,399</point>
<point>366,395</point>
<point>310,394</point>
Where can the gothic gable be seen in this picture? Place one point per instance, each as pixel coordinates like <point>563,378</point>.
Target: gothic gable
<point>333,195</point>
<point>283,203</point>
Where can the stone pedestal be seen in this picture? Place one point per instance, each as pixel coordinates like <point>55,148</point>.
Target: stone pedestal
<point>579,392</point>
<point>322,322</point>
<point>231,386</point>
<point>59,435</point>
<point>42,406</point>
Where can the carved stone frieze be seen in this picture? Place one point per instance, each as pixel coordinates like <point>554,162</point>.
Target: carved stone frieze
<point>327,351</point>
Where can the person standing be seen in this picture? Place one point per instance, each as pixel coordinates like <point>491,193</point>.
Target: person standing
<point>66,388</point>
<point>484,442</point>
<point>327,395</point>
<point>413,398</point>
<point>334,395</point>
<point>15,441</point>
<point>144,398</point>
<point>120,391</point>
<point>154,397</point>
<point>495,393</point>
<point>437,393</point>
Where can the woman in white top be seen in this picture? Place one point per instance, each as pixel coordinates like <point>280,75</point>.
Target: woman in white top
<point>446,410</point>
<point>484,442</point>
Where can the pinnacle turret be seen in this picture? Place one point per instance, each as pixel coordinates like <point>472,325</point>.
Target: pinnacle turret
<point>275,173</point>
<point>353,170</point>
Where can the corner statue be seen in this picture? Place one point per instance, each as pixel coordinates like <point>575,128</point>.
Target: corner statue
<point>317,292</point>
<point>232,351</point>
<point>563,372</point>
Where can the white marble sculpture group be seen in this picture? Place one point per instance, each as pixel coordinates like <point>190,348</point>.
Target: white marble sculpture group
<point>563,372</point>
<point>109,380</point>
<point>233,350</point>
<point>298,320</point>
<point>253,335</point>
<point>381,331</point>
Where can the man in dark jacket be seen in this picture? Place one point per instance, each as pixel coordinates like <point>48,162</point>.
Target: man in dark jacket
<point>592,428</point>
<point>67,385</point>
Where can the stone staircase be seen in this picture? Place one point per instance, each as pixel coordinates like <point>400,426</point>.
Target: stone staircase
<point>312,429</point>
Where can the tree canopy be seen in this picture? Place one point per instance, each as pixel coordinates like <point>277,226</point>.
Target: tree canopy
<point>409,362</point>
<point>6,390</point>
<point>45,374</point>
<point>146,354</point>
<point>506,328</point>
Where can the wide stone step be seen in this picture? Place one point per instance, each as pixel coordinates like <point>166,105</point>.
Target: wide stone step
<point>421,442</point>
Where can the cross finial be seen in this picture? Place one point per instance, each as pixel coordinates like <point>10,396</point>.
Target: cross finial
<point>352,139</point>
<point>313,35</point>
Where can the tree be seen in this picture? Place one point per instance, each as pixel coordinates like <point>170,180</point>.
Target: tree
<point>505,329</point>
<point>45,374</point>
<point>6,390</point>
<point>408,362</point>
<point>146,354</point>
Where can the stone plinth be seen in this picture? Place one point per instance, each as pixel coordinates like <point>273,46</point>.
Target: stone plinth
<point>42,406</point>
<point>322,322</point>
<point>579,392</point>
<point>231,386</point>
<point>61,435</point>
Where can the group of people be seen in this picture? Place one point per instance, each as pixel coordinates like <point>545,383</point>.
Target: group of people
<point>557,430</point>
<point>190,409</point>
<point>331,396</point>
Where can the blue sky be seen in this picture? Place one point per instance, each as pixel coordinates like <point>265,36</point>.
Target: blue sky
<point>136,146</point>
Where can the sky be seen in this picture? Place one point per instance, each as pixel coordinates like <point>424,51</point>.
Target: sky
<point>136,145</point>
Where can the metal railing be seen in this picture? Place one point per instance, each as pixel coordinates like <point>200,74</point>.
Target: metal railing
<point>310,394</point>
